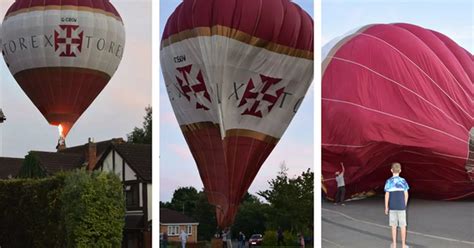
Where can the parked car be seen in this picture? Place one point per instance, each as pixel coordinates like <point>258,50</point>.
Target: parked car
<point>255,240</point>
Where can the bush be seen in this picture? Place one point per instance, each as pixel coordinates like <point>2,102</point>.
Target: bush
<point>290,239</point>
<point>30,212</point>
<point>51,212</point>
<point>270,238</point>
<point>93,210</point>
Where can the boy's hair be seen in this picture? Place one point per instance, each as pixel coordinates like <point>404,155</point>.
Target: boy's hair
<point>396,167</point>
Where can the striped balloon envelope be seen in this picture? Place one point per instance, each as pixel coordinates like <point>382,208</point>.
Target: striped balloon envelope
<point>398,93</point>
<point>62,53</point>
<point>236,72</point>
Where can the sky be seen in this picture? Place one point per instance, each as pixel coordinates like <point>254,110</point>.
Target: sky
<point>114,113</point>
<point>177,166</point>
<point>453,18</point>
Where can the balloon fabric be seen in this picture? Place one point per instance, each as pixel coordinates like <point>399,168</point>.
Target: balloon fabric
<point>236,72</point>
<point>62,53</point>
<point>398,93</point>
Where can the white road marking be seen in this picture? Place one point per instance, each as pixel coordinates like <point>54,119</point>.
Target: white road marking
<point>330,242</point>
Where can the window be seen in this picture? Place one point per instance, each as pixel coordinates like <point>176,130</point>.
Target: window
<point>189,230</point>
<point>132,195</point>
<point>173,230</point>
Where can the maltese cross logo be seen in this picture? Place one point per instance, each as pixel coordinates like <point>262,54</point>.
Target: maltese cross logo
<point>193,92</point>
<point>261,99</point>
<point>68,40</point>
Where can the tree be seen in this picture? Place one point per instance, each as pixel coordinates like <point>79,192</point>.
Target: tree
<point>143,135</point>
<point>291,201</point>
<point>205,213</point>
<point>31,168</point>
<point>184,200</point>
<point>251,217</point>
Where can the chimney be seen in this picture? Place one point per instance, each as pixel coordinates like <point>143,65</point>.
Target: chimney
<point>91,154</point>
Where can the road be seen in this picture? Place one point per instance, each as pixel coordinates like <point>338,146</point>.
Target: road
<point>433,224</point>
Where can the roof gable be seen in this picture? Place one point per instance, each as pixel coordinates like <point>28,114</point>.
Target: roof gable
<point>138,157</point>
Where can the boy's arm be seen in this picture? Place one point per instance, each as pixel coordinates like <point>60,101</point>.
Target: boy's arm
<point>387,195</point>
<point>406,198</point>
<point>343,169</point>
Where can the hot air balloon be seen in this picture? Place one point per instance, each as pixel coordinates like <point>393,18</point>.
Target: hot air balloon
<point>236,71</point>
<point>399,93</point>
<point>62,53</point>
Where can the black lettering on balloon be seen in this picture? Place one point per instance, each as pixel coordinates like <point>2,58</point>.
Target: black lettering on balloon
<point>88,41</point>
<point>12,46</point>
<point>22,43</point>
<point>284,97</point>
<point>111,48</point>
<point>100,46</point>
<point>34,41</point>
<point>48,40</point>
<point>236,91</point>
<point>4,50</point>
<point>119,52</point>
<point>297,105</point>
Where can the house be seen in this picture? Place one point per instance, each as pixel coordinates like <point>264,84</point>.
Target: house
<point>172,222</point>
<point>132,162</point>
<point>10,167</point>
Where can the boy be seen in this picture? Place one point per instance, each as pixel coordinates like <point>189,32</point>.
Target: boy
<point>396,199</point>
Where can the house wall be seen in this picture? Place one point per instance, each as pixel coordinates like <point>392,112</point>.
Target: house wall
<point>117,167</point>
<point>149,203</point>
<point>114,163</point>
<point>175,238</point>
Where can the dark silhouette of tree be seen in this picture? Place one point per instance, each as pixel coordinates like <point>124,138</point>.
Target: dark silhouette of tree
<point>142,135</point>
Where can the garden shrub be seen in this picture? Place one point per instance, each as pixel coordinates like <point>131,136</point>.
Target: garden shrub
<point>93,210</point>
<point>30,213</point>
<point>270,238</point>
<point>75,209</point>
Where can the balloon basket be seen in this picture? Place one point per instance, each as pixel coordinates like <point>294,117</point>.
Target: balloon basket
<point>216,243</point>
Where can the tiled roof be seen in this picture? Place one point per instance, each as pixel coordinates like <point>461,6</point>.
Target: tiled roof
<point>101,147</point>
<point>10,167</point>
<point>138,157</point>
<point>168,216</point>
<point>54,162</point>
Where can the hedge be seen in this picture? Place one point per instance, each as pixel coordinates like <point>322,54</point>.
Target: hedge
<point>75,209</point>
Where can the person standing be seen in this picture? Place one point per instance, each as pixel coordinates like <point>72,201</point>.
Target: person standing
<point>301,239</point>
<point>241,240</point>
<point>341,186</point>
<point>396,199</point>
<point>224,238</point>
<point>229,238</point>
<point>280,237</point>
<point>165,239</point>
<point>184,238</point>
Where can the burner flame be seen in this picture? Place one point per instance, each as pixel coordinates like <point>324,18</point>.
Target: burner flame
<point>61,131</point>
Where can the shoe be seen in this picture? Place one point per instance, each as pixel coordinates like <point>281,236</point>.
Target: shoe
<point>343,204</point>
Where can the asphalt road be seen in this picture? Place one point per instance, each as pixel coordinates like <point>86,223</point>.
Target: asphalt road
<point>433,224</point>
